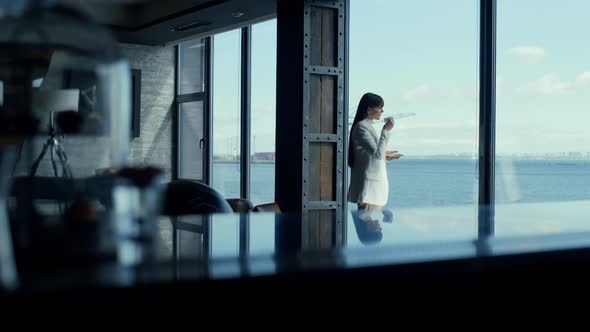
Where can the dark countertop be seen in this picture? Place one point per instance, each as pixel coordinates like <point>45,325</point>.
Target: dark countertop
<point>204,249</point>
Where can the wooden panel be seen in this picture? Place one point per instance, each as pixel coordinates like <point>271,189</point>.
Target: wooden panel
<point>322,106</point>
<point>316,36</point>
<point>326,224</point>
<point>327,166</point>
<point>314,218</point>
<point>329,36</point>
<point>315,107</point>
<point>328,89</point>
<point>315,175</point>
<point>321,225</point>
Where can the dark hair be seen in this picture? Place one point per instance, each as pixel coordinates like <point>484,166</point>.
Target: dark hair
<point>368,100</point>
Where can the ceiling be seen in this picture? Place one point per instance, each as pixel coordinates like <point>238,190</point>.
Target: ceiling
<point>150,22</point>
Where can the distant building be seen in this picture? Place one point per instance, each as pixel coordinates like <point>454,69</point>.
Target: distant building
<point>263,156</point>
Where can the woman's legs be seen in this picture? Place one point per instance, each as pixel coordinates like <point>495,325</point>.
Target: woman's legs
<point>387,215</point>
<point>364,213</point>
<point>367,206</point>
<point>366,209</point>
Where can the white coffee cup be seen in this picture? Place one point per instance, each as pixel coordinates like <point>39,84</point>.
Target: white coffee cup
<point>387,119</point>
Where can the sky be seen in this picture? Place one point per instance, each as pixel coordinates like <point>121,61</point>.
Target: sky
<point>422,56</point>
<point>226,89</point>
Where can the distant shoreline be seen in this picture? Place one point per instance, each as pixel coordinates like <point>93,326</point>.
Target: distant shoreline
<point>237,162</point>
<point>429,158</point>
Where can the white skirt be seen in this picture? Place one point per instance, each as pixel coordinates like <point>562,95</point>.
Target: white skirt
<point>366,191</point>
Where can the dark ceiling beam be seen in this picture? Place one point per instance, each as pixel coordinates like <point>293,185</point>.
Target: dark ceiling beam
<point>218,16</point>
<point>138,8</point>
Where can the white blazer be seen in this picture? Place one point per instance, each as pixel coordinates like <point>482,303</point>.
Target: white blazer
<point>368,176</point>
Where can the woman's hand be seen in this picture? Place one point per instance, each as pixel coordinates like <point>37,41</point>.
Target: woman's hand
<point>388,153</point>
<point>389,125</point>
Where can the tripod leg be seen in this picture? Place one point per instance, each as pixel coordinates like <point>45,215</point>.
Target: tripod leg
<point>67,172</point>
<point>53,163</point>
<point>38,160</point>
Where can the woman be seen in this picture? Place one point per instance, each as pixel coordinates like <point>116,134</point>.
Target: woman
<point>366,158</point>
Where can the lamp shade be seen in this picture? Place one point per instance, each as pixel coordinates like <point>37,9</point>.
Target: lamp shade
<point>49,101</point>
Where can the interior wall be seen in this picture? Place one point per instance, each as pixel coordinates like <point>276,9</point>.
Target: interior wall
<point>154,146</point>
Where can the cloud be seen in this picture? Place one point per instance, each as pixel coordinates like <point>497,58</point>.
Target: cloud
<point>421,92</point>
<point>583,79</point>
<point>528,54</point>
<point>547,85</point>
<point>457,125</point>
<point>425,91</point>
<point>446,141</point>
<point>551,84</point>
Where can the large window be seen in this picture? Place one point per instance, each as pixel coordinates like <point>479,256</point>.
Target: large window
<point>191,96</point>
<point>226,109</point>
<point>192,67</point>
<point>422,57</point>
<point>226,113</point>
<point>192,141</point>
<point>543,93</point>
<point>263,87</point>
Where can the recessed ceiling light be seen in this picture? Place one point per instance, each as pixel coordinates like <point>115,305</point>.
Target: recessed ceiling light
<point>190,26</point>
<point>237,14</point>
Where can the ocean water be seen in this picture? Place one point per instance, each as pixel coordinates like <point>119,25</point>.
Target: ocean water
<point>436,201</point>
<point>429,182</point>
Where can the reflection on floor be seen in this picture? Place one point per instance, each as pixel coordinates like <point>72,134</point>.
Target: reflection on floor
<point>419,225</point>
<point>441,224</point>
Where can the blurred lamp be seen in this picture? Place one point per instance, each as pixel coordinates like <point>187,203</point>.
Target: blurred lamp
<point>49,105</point>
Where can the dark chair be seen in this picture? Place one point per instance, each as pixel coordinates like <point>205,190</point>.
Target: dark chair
<point>268,207</point>
<point>240,205</point>
<point>190,197</point>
